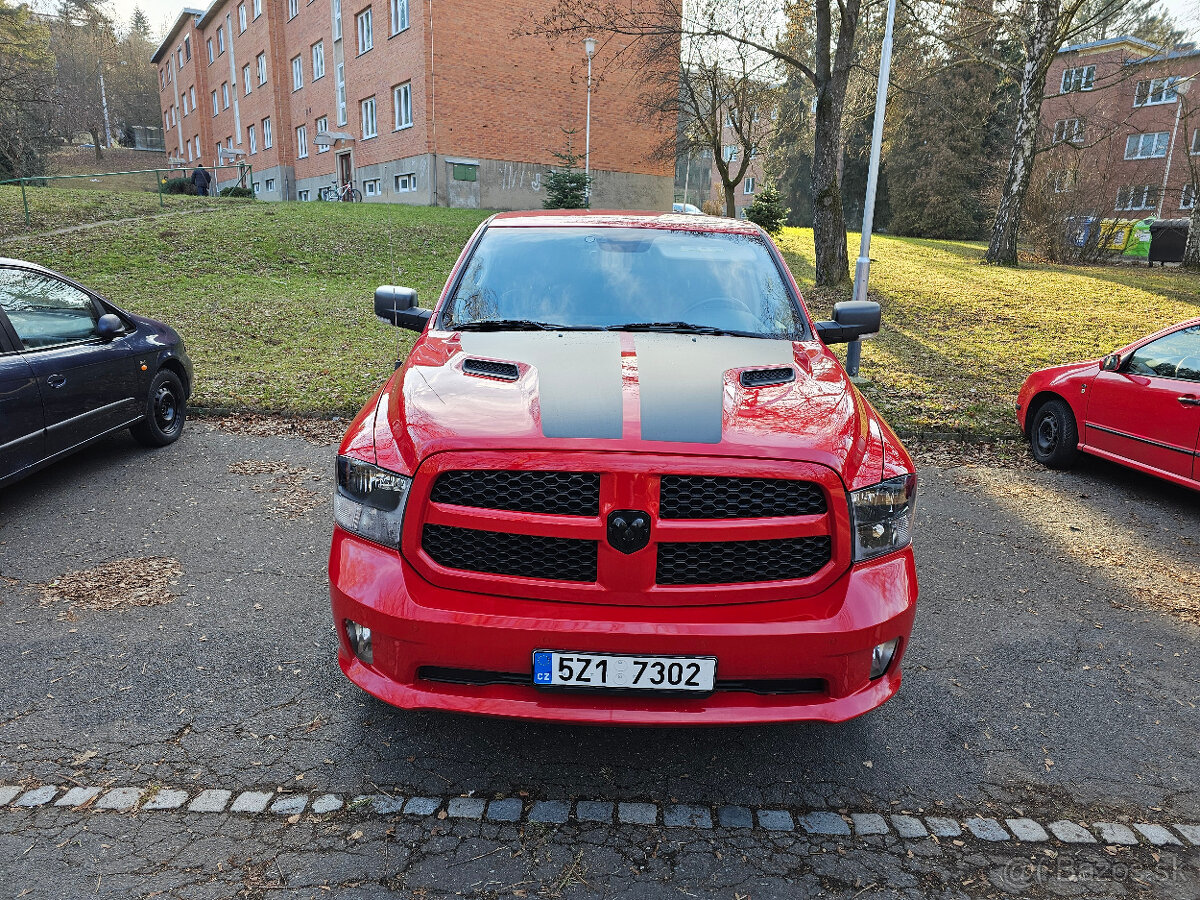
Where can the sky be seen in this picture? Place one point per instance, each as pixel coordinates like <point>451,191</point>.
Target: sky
<point>162,13</point>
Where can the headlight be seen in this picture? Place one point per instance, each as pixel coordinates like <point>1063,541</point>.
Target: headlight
<point>882,516</point>
<point>370,501</point>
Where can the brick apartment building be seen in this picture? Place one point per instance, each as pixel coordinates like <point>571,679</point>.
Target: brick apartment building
<point>416,101</point>
<point>1122,120</point>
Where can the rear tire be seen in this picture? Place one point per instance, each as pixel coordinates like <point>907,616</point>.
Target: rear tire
<point>1053,435</point>
<point>166,410</point>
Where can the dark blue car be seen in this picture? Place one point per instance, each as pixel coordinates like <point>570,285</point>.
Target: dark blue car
<point>74,368</point>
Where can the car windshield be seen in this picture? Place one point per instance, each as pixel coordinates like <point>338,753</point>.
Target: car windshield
<point>616,278</point>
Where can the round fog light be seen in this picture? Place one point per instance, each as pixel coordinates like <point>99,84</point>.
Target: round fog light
<point>881,657</point>
<point>360,640</point>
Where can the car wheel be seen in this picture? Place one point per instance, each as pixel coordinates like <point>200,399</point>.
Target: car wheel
<point>1053,435</point>
<point>166,409</point>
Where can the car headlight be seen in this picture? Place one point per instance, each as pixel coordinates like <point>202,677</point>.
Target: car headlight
<point>370,501</point>
<point>882,516</point>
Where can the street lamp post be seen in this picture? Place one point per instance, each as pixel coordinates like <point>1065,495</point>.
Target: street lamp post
<point>589,49</point>
<point>862,268</point>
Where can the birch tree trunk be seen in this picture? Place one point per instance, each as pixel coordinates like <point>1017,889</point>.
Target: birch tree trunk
<point>1191,250</point>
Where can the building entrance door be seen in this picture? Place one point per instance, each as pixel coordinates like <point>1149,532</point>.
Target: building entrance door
<point>345,171</point>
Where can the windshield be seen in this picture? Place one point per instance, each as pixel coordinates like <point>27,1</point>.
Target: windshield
<point>614,278</point>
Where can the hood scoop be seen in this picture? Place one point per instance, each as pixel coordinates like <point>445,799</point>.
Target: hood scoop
<point>488,368</point>
<point>756,378</point>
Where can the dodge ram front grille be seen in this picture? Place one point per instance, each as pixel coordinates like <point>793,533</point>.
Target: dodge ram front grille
<point>521,555</point>
<point>718,497</point>
<point>554,493</point>
<point>740,562</point>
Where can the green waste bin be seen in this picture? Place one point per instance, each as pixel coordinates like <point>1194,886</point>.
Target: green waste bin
<point>1138,245</point>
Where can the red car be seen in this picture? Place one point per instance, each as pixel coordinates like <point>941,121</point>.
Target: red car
<point>1138,406</point>
<point>621,479</point>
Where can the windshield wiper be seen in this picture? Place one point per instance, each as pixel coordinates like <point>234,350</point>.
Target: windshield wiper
<point>511,325</point>
<point>678,328</point>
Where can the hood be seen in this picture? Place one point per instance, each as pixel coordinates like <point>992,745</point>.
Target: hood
<point>630,392</point>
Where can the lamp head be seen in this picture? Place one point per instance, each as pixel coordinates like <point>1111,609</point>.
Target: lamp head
<point>589,47</point>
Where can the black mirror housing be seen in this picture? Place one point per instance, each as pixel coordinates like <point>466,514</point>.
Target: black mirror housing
<point>852,320</point>
<point>109,326</point>
<point>397,305</point>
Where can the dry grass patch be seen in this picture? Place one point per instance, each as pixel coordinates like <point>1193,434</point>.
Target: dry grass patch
<point>132,581</point>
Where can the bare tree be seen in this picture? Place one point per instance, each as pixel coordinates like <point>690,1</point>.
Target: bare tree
<point>812,37</point>
<point>84,43</point>
<point>26,73</point>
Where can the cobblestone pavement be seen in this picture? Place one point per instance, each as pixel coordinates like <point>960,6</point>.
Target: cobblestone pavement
<point>190,735</point>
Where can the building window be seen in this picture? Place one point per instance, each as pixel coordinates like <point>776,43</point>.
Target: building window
<point>220,39</point>
<point>405,184</point>
<point>179,57</point>
<point>1147,146</point>
<point>366,34</point>
<point>256,186</point>
<point>302,195</point>
<point>252,139</point>
<point>402,100</point>
<point>225,95</point>
<point>189,151</point>
<point>211,56</point>
<point>257,8</point>
<point>216,108</point>
<point>1062,182</point>
<point>162,80</point>
<point>267,142</point>
<point>297,73</point>
<point>241,17</point>
<point>730,153</point>
<point>192,95</point>
<point>246,78</point>
<point>1187,199</point>
<point>369,129</point>
<point>399,16</point>
<point>302,142</point>
<point>262,68</point>
<point>341,93</point>
<point>1068,131</point>
<point>293,8</point>
<point>1082,78</point>
<point>270,184</point>
<point>197,141</point>
<point>184,102</point>
<point>371,187</point>
<point>748,185</point>
<point>337,20</point>
<point>318,56</point>
<point>1155,91</point>
<point>187,47</point>
<point>322,127</point>
<point>1141,196</point>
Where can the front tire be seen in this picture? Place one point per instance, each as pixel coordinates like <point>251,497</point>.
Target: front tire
<point>1053,435</point>
<point>166,410</point>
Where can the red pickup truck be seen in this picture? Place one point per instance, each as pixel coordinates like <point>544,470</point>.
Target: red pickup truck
<point>621,479</point>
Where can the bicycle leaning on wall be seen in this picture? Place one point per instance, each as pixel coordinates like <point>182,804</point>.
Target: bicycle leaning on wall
<point>345,193</point>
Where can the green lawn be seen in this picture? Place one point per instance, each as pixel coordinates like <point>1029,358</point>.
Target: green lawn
<point>274,301</point>
<point>63,204</point>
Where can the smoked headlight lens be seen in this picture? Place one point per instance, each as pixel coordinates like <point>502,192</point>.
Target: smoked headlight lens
<point>882,516</point>
<point>370,501</point>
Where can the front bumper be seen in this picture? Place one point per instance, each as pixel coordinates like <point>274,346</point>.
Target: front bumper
<point>417,626</point>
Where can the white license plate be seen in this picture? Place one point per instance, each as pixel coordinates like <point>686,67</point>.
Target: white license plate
<point>559,668</point>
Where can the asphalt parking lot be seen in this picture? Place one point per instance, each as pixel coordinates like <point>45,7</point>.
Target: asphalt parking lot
<point>1052,679</point>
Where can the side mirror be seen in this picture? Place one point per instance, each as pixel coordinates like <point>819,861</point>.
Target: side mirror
<point>852,320</point>
<point>1111,363</point>
<point>109,326</point>
<point>398,306</point>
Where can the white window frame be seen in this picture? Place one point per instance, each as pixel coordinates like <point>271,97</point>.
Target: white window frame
<point>365,25</point>
<point>211,57</point>
<point>1187,196</point>
<point>220,39</point>
<point>302,196</point>
<point>370,121</point>
<point>261,63</point>
<point>748,185</point>
<point>184,103</point>
<point>402,106</point>
<point>341,93</point>
<point>224,95</point>
<point>1155,91</point>
<point>1079,78</point>
<point>269,184</point>
<point>297,72</point>
<point>318,60</point>
<point>1145,195</point>
<point>337,20</point>
<point>257,8</point>
<point>405,184</point>
<point>1069,131</point>
<point>730,152</point>
<point>399,16</point>
<point>371,188</point>
<point>1151,145</point>
<point>322,124</point>
<point>268,140</point>
<point>293,9</point>
<point>179,57</point>
<point>192,95</point>
<point>301,142</point>
<point>252,139</point>
<point>241,18</point>
<point>246,78</point>
<point>216,104</point>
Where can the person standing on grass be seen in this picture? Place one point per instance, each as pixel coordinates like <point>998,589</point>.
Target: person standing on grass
<point>201,179</point>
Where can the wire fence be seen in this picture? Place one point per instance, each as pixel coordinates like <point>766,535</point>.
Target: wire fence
<point>56,201</point>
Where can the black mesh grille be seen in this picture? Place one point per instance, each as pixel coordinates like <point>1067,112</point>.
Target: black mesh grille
<point>764,377</point>
<point>557,493</point>
<point>708,497</point>
<point>489,369</point>
<point>737,562</point>
<point>527,556</point>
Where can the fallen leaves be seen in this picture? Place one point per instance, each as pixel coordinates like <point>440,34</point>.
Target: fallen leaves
<point>131,581</point>
<point>289,496</point>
